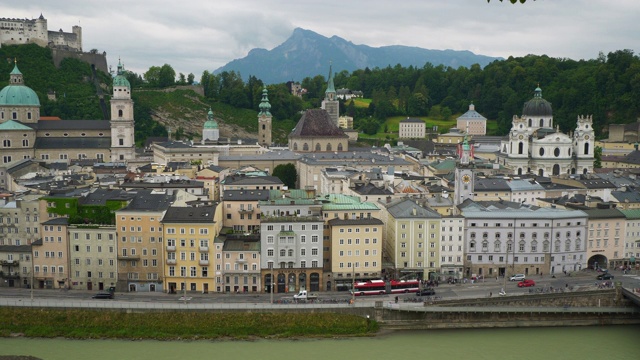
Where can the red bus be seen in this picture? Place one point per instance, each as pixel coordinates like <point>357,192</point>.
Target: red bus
<point>381,287</point>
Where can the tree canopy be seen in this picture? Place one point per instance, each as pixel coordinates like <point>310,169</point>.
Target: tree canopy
<point>287,174</point>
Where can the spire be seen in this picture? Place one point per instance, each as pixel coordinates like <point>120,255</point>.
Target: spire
<point>15,77</point>
<point>264,103</point>
<point>331,89</point>
<point>537,92</point>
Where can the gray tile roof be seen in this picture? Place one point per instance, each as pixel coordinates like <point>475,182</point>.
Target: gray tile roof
<point>74,125</point>
<point>203,214</point>
<point>405,208</point>
<point>252,180</point>
<point>245,195</point>
<point>491,184</point>
<point>73,143</point>
<point>349,222</point>
<point>412,120</point>
<point>317,123</point>
<point>144,200</point>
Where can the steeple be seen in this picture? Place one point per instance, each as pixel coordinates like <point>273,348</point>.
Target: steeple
<point>330,93</point>
<point>15,77</point>
<point>264,104</point>
<point>264,120</point>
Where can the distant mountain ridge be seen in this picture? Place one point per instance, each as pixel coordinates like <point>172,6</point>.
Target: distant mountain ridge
<point>307,54</point>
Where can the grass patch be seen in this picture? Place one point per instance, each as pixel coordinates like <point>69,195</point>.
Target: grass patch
<point>92,324</point>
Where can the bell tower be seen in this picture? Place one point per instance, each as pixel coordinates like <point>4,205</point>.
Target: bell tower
<point>264,120</point>
<point>464,174</point>
<point>330,102</point>
<point>122,131</point>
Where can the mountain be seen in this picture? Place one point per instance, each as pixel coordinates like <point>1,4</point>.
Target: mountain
<point>307,54</point>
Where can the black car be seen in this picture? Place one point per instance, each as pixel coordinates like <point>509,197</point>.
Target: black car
<point>605,276</point>
<point>103,295</point>
<point>426,292</point>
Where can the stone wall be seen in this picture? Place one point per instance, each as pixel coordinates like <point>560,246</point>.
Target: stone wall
<point>99,60</point>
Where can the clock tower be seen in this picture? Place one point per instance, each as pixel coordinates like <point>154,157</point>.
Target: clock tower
<point>464,174</point>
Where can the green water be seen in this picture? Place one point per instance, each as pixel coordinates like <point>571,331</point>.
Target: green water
<point>610,342</point>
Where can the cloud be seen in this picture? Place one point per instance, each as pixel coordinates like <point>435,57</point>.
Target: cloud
<point>197,35</point>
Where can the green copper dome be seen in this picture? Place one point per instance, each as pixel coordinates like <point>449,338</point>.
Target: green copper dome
<point>210,123</point>
<point>121,79</point>
<point>16,93</point>
<point>264,103</point>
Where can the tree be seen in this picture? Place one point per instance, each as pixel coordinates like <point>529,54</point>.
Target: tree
<point>287,174</point>
<point>190,78</point>
<point>167,76</point>
<point>597,157</point>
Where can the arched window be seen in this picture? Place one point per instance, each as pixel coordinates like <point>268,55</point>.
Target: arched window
<point>519,171</point>
<point>318,148</point>
<point>586,148</point>
<point>556,152</point>
<point>340,147</point>
<point>329,147</point>
<point>305,147</point>
<point>120,113</point>
<point>556,169</point>
<point>485,245</point>
<point>541,122</point>
<point>496,246</point>
<point>530,122</point>
<point>283,252</point>
<point>472,246</point>
<point>541,151</point>
<point>264,127</point>
<point>520,148</point>
<point>295,146</point>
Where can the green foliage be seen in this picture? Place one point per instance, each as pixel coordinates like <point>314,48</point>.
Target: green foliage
<point>597,157</point>
<point>92,324</point>
<point>287,174</point>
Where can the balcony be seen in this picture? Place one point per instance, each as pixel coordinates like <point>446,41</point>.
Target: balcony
<point>9,275</point>
<point>204,262</point>
<point>9,262</point>
<point>171,261</point>
<point>128,257</point>
<point>241,260</point>
<point>245,211</point>
<point>171,248</point>
<point>203,249</point>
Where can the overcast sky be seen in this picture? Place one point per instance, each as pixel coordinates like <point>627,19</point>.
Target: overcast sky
<point>197,35</point>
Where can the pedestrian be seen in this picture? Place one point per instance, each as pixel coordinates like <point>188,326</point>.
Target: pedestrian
<point>490,294</point>
<point>541,276</point>
<point>396,299</point>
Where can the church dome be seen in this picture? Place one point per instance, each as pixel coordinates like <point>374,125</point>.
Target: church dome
<point>121,79</point>
<point>210,123</point>
<point>537,106</point>
<point>16,93</point>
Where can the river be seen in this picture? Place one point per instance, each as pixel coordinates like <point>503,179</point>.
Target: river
<point>606,342</point>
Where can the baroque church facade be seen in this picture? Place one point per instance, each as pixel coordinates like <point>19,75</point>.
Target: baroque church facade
<point>534,146</point>
<point>24,135</point>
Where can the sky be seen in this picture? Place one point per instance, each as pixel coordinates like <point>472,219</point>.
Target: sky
<point>197,35</point>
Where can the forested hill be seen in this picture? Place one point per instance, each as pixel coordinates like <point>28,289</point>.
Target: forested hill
<point>73,82</point>
<point>607,88</point>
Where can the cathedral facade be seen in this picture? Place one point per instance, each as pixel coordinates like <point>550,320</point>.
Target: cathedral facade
<point>534,146</point>
<point>24,135</point>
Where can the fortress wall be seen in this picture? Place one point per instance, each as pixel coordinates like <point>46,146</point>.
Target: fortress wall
<point>99,60</point>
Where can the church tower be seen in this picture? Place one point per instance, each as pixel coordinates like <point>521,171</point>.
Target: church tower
<point>464,175</point>
<point>122,132</point>
<point>264,120</point>
<point>583,142</point>
<point>210,130</point>
<point>330,102</point>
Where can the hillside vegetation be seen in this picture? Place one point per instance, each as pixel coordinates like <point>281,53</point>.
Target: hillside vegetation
<point>607,87</point>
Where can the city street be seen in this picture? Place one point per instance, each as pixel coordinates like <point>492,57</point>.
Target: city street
<point>583,280</point>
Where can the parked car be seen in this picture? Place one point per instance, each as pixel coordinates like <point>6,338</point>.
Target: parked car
<point>605,276</point>
<point>103,295</point>
<point>426,292</point>
<point>517,277</point>
<point>526,283</point>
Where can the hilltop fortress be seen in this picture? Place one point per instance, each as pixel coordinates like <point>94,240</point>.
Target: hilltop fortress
<point>25,31</point>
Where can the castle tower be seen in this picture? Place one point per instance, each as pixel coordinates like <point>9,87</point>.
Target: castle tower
<point>464,174</point>
<point>264,120</point>
<point>210,130</point>
<point>122,123</point>
<point>330,102</point>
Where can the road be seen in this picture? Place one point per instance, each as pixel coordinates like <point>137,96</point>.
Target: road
<point>583,280</point>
